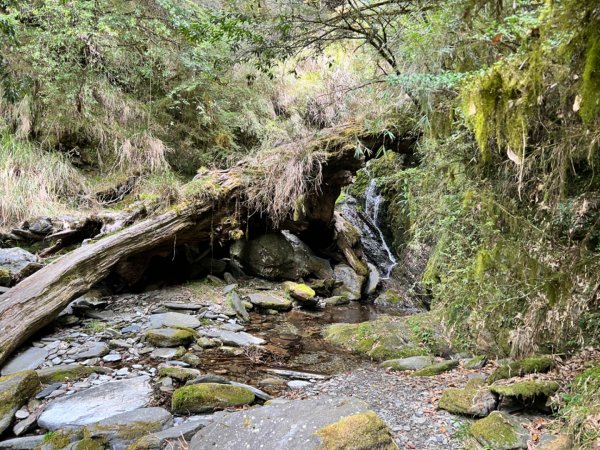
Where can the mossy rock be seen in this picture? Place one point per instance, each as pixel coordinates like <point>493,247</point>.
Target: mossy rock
<point>476,362</point>
<point>389,298</point>
<point>436,369</point>
<point>358,431</point>
<point>5,277</point>
<point>57,440</point>
<point>526,390</point>
<point>179,373</point>
<point>337,300</point>
<point>299,291</point>
<point>389,337</point>
<point>170,337</point>
<point>500,431</point>
<point>207,397</point>
<point>538,364</point>
<point>474,400</point>
<point>67,372</point>
<point>410,363</point>
<point>15,390</point>
<point>88,443</point>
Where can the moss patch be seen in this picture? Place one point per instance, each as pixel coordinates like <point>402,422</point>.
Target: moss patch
<point>526,390</point>
<point>64,373</point>
<point>170,337</point>
<point>475,399</point>
<point>436,369</point>
<point>179,373</point>
<point>590,87</point>
<point>299,291</point>
<point>359,431</point>
<point>500,432</point>
<point>540,364</point>
<point>15,390</point>
<point>209,396</point>
<point>5,277</point>
<point>389,337</point>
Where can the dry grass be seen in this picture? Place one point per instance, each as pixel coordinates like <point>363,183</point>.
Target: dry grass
<point>33,182</point>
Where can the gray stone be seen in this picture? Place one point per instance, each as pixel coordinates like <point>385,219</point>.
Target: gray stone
<point>25,425</point>
<point>411,363</point>
<point>292,425</point>
<point>92,350</point>
<point>298,384</point>
<point>122,429</point>
<point>336,300</point>
<point>15,264</point>
<point>270,301</point>
<point>173,319</point>
<point>170,437</point>
<point>373,280</point>
<point>238,306</point>
<point>274,256</point>
<point>183,306</point>
<point>135,328</point>
<point>257,392</point>
<point>163,353</point>
<point>112,357</point>
<point>22,443</point>
<point>29,359</point>
<point>239,339</point>
<point>48,390</point>
<point>351,282</point>
<point>97,403</point>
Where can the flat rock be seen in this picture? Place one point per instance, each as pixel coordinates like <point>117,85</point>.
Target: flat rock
<point>170,437</point>
<point>411,363</point>
<point>169,337</point>
<point>183,306</point>
<point>97,403</point>
<point>66,372</point>
<point>29,359</point>
<point>22,443</point>
<point>322,422</point>
<point>122,429</point>
<point>270,301</point>
<point>238,339</point>
<point>92,350</point>
<point>163,353</point>
<point>173,319</point>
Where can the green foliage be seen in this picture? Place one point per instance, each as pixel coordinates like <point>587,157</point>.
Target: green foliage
<point>581,407</point>
<point>590,88</point>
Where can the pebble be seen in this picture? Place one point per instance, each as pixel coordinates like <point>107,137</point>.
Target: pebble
<point>298,384</point>
<point>112,357</point>
<point>22,414</point>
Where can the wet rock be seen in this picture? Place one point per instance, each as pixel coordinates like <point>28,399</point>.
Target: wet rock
<point>436,369</point>
<point>337,300</point>
<point>298,425</point>
<point>373,280</point>
<point>29,359</point>
<point>207,397</point>
<point>123,429</point>
<point>170,337</point>
<point>22,443</point>
<point>539,364</point>
<point>66,372</point>
<point>500,431</point>
<point>170,437</point>
<point>15,390</point>
<point>179,373</point>
<point>97,403</point>
<point>92,350</point>
<point>173,320</point>
<point>270,301</point>
<point>16,264</point>
<point>411,363</point>
<point>475,399</point>
<point>350,282</point>
<point>300,292</point>
<point>238,339</point>
<point>389,337</point>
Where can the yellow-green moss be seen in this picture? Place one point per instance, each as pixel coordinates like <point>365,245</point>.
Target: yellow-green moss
<point>299,291</point>
<point>540,364</point>
<point>526,390</point>
<point>56,440</point>
<point>209,396</point>
<point>72,372</point>
<point>435,369</point>
<point>16,389</point>
<point>179,373</point>
<point>495,431</point>
<point>179,337</point>
<point>90,444</point>
<point>5,277</point>
<point>465,401</point>
<point>359,431</point>
<point>590,87</point>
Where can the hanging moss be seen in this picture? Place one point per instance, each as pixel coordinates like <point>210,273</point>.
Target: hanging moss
<point>590,87</point>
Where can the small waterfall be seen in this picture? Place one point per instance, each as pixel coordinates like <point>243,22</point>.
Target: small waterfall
<point>373,201</point>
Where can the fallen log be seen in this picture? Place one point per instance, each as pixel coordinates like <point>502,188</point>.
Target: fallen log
<point>213,208</point>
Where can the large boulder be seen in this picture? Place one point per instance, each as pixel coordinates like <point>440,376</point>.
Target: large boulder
<point>16,264</point>
<point>349,283</point>
<point>500,431</point>
<point>278,256</point>
<point>318,423</point>
<point>389,337</point>
<point>97,403</point>
<point>208,397</point>
<point>15,390</point>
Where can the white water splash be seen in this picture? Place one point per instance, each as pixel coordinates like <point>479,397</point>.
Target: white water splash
<point>373,201</point>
